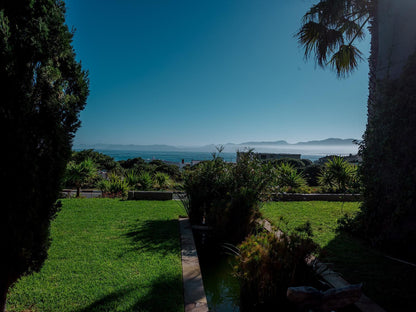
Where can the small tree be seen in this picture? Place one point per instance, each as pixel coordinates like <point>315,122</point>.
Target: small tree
<point>80,174</point>
<point>43,89</point>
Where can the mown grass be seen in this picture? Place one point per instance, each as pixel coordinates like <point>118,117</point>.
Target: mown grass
<point>389,283</point>
<point>108,255</point>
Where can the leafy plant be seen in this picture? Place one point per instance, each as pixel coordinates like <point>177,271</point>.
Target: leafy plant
<point>268,264</point>
<point>132,178</point>
<point>226,196</point>
<point>115,186</point>
<point>145,181</point>
<point>312,173</point>
<point>161,179</point>
<point>338,175</point>
<point>287,176</point>
<point>80,174</point>
<point>102,161</point>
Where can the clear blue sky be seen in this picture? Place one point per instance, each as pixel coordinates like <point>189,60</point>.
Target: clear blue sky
<point>197,72</point>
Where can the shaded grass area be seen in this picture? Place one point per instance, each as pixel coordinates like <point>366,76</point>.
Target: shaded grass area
<point>108,255</point>
<point>389,283</point>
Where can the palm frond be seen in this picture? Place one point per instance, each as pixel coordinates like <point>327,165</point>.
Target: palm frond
<point>319,40</point>
<point>329,29</point>
<point>345,60</point>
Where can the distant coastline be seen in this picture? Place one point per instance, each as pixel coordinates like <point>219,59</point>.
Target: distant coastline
<point>312,150</point>
<point>317,147</point>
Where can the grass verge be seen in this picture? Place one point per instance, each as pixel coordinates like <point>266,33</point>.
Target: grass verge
<point>389,283</point>
<point>108,255</point>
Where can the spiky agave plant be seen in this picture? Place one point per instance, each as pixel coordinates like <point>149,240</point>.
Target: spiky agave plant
<point>337,174</point>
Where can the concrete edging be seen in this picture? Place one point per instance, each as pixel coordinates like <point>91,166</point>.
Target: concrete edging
<point>149,195</point>
<point>194,293</point>
<point>317,196</point>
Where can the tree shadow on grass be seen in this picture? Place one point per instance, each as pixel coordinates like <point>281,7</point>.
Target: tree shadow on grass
<point>164,294</point>
<point>390,284</point>
<point>161,236</point>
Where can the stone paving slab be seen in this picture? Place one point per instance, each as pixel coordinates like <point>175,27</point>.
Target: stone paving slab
<point>194,292</point>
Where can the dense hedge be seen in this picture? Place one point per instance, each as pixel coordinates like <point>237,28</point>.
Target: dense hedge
<point>388,215</point>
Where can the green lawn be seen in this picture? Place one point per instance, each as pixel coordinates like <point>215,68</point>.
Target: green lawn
<point>108,255</point>
<point>391,284</point>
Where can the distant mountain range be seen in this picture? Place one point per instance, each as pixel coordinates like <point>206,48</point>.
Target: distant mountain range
<point>330,141</point>
<point>229,147</point>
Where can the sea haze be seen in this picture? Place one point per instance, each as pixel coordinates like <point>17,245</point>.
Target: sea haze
<point>312,150</point>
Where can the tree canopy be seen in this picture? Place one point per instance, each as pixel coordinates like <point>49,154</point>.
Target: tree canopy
<point>44,88</point>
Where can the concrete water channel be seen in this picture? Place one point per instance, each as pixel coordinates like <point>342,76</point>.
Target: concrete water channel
<point>222,288</point>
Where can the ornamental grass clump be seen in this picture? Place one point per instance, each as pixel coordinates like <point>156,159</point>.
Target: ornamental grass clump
<point>267,264</point>
<point>132,178</point>
<point>145,181</point>
<point>115,186</point>
<point>162,180</point>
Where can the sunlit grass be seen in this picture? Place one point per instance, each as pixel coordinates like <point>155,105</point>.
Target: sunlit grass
<point>391,284</point>
<point>108,255</point>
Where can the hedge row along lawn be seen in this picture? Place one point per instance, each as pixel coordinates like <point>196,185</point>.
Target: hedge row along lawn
<point>389,283</point>
<point>108,255</point>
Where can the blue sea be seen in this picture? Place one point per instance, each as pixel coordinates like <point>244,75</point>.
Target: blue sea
<point>177,156</point>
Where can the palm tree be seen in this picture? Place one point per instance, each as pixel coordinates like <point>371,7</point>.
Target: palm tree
<point>79,174</point>
<point>329,32</point>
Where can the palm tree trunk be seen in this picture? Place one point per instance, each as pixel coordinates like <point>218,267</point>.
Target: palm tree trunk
<point>78,191</point>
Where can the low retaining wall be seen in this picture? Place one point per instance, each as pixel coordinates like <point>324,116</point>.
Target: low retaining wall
<point>320,197</point>
<point>149,195</point>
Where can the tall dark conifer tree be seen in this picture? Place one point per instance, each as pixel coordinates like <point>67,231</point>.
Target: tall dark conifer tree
<point>43,90</point>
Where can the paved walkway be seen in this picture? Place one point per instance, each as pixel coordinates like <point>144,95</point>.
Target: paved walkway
<point>194,292</point>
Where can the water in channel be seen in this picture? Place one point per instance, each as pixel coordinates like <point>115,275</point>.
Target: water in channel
<point>221,286</point>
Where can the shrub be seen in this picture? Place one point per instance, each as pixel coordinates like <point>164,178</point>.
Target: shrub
<point>161,179</point>
<point>312,173</point>
<point>267,265</point>
<point>145,181</point>
<point>298,164</point>
<point>339,176</point>
<point>132,178</point>
<point>137,163</point>
<point>170,170</point>
<point>288,177</point>
<point>115,186</point>
<point>226,196</point>
<point>102,161</point>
